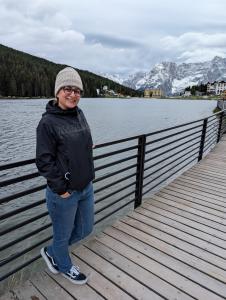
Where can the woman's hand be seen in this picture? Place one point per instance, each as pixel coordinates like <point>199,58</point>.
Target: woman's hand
<point>65,195</point>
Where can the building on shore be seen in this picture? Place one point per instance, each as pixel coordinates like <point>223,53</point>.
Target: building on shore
<point>153,93</point>
<point>216,87</point>
<point>223,95</point>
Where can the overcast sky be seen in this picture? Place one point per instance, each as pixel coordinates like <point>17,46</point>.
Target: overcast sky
<point>115,36</point>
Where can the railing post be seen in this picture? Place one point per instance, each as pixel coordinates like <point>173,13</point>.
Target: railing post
<point>203,136</point>
<point>220,126</point>
<point>140,170</point>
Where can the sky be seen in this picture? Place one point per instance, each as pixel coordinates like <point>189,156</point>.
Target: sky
<point>115,36</point>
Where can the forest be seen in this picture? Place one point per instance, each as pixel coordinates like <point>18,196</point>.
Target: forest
<point>25,75</point>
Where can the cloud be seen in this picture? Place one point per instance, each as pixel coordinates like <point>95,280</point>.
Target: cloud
<point>111,41</point>
<point>196,46</point>
<point>116,36</point>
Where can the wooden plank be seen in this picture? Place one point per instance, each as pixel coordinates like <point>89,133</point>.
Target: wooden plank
<point>194,197</point>
<point>173,278</point>
<point>99,283</point>
<point>204,165</point>
<point>181,267</point>
<point>141,274</point>
<point>216,261</point>
<point>50,289</point>
<point>25,291</point>
<point>184,218</point>
<point>173,220</point>
<point>202,170</point>
<point>216,162</point>
<point>196,190</point>
<point>200,181</point>
<point>215,254</point>
<point>83,292</point>
<point>200,209</point>
<point>117,276</point>
<point>201,186</point>
<point>207,172</point>
<point>189,212</point>
<point>171,250</point>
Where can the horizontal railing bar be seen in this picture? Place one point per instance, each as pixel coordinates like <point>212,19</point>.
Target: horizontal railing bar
<point>27,263</point>
<point>114,211</point>
<point>116,201</point>
<point>214,126</point>
<point>17,164</point>
<point>211,141</point>
<point>151,166</point>
<point>115,163</point>
<point>169,169</point>
<point>114,173</point>
<point>171,135</point>
<point>210,122</point>
<point>213,134</point>
<point>14,256</point>
<point>214,129</point>
<point>205,149</point>
<point>174,127</point>
<point>22,209</point>
<point>208,137</point>
<point>24,237</point>
<point>168,150</point>
<point>113,183</point>
<point>116,142</point>
<point>170,175</point>
<point>21,194</point>
<point>115,192</point>
<point>115,152</point>
<point>172,142</point>
<point>23,223</point>
<point>19,179</point>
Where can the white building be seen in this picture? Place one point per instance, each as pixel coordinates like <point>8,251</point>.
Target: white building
<point>216,87</point>
<point>187,93</point>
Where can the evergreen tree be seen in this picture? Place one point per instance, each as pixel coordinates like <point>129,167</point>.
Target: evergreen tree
<point>24,75</point>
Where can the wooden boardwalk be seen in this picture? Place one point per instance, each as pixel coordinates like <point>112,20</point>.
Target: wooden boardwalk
<point>172,247</point>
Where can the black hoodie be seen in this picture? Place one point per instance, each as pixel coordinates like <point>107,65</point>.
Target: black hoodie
<point>64,149</point>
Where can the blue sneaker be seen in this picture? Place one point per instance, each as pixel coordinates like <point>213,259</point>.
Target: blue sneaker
<point>49,261</point>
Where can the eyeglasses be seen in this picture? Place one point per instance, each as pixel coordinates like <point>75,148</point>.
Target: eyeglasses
<point>70,89</point>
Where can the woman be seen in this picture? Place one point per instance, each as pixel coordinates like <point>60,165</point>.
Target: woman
<point>64,158</point>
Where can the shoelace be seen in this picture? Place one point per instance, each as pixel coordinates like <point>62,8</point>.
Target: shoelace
<point>74,271</point>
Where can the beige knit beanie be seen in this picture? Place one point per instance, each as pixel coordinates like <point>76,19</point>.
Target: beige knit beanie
<point>68,77</point>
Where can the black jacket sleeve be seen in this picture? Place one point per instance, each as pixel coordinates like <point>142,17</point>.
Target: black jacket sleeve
<point>46,159</point>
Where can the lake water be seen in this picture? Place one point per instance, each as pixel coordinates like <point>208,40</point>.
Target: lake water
<point>109,119</point>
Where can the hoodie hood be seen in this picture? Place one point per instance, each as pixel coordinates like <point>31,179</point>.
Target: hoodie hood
<point>53,108</point>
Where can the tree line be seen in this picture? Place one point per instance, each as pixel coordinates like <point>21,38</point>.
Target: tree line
<point>202,88</point>
<point>25,75</point>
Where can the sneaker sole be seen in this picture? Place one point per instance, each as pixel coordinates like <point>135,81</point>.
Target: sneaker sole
<point>50,267</point>
<point>80,282</point>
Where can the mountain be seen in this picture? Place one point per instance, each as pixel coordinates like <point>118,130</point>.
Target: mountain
<point>25,75</point>
<point>173,78</point>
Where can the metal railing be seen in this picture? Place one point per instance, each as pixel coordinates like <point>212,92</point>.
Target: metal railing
<point>126,170</point>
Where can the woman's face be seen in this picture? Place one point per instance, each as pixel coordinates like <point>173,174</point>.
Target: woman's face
<point>68,97</point>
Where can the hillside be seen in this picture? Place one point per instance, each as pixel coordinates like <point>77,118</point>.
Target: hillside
<point>25,75</point>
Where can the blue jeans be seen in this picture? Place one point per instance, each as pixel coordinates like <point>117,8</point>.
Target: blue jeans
<point>72,220</point>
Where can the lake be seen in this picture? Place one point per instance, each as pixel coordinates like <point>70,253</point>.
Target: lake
<point>109,119</point>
